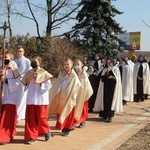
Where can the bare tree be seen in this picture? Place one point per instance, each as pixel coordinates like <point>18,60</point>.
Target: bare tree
<point>57,13</point>
<point>34,18</point>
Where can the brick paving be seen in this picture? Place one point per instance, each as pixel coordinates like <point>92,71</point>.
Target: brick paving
<point>96,135</point>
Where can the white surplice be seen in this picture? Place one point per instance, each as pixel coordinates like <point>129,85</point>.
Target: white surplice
<point>23,65</point>
<point>38,94</point>
<point>10,90</point>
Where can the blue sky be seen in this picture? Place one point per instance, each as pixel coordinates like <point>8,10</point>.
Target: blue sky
<point>130,20</point>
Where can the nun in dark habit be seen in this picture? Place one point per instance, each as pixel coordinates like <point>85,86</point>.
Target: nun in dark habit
<point>109,95</point>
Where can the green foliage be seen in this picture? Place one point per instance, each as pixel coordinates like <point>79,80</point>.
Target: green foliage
<point>96,30</point>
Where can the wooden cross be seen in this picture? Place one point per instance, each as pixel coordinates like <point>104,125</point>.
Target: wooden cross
<point>4,27</point>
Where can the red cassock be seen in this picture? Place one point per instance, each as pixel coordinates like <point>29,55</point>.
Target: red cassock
<point>36,123</point>
<point>8,122</point>
<point>84,114</point>
<point>68,123</point>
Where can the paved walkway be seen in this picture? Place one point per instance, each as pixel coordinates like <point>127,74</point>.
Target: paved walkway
<point>97,135</point>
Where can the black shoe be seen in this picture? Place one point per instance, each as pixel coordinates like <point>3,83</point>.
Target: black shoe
<point>90,110</point>
<point>3,143</point>
<point>47,136</point>
<point>108,120</point>
<point>66,132</point>
<point>145,96</point>
<point>124,102</point>
<point>73,127</point>
<point>31,142</point>
<point>81,125</point>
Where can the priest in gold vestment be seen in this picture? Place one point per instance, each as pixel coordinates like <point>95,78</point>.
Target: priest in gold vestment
<point>63,97</point>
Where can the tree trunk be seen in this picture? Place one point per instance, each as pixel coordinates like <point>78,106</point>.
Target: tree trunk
<point>9,19</point>
<point>49,18</point>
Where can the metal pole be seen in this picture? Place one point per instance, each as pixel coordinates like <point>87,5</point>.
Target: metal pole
<point>4,27</point>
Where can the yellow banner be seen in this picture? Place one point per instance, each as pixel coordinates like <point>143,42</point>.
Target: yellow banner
<point>135,40</point>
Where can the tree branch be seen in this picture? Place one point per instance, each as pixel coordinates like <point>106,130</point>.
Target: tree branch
<point>64,34</point>
<point>59,23</point>
<point>20,14</point>
<point>56,5</point>
<point>38,7</point>
<point>146,23</point>
<point>58,8</point>
<point>37,25</point>
<point>67,15</point>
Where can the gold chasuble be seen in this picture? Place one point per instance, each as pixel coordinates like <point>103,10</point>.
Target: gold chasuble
<point>63,101</point>
<point>42,75</point>
<point>84,94</point>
